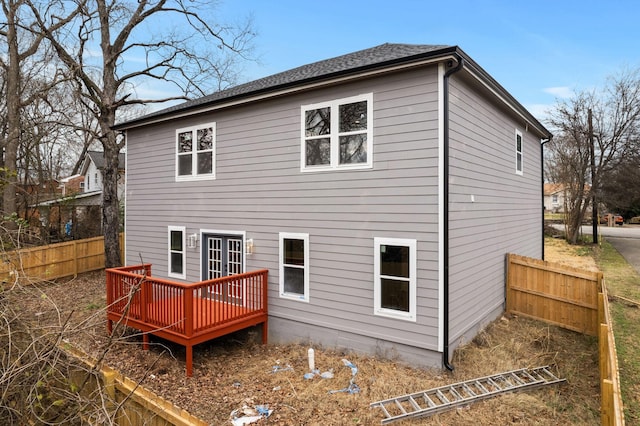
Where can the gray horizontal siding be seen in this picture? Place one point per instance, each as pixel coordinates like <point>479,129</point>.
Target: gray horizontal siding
<point>505,214</point>
<point>259,189</point>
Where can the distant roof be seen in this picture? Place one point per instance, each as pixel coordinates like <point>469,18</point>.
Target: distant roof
<point>554,188</point>
<point>70,178</point>
<point>98,159</point>
<point>69,198</point>
<point>378,57</point>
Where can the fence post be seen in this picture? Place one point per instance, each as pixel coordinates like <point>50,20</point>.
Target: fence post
<point>75,259</point>
<point>508,295</point>
<point>109,378</point>
<point>606,411</point>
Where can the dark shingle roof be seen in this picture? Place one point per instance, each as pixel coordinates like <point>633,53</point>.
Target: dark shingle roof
<point>98,159</point>
<point>378,56</point>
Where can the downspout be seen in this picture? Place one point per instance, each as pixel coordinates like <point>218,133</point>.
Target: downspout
<point>542,142</point>
<point>445,236</point>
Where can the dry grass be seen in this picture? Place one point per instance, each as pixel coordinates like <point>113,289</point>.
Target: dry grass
<point>235,370</point>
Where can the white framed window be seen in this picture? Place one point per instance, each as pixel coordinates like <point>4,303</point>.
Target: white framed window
<point>196,152</point>
<point>395,278</point>
<point>294,266</point>
<point>519,149</point>
<point>177,253</point>
<point>337,134</point>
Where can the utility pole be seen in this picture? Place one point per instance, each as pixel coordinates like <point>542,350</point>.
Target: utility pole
<point>594,204</point>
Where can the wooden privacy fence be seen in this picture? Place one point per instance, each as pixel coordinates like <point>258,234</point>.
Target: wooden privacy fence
<point>612,409</point>
<point>574,299</point>
<point>53,261</point>
<point>128,403</point>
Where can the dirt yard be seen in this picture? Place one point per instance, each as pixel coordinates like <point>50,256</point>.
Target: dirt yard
<point>235,371</point>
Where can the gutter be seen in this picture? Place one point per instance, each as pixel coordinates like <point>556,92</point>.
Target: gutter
<point>445,219</point>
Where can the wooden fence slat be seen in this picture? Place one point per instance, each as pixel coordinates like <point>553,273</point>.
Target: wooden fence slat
<point>572,299</point>
<point>139,405</point>
<point>564,297</point>
<point>55,260</point>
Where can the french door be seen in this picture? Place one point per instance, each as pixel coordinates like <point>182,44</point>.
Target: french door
<point>222,256</point>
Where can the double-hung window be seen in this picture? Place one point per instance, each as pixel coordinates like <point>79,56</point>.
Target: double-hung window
<point>294,266</point>
<point>177,253</point>
<point>395,278</point>
<point>518,152</point>
<point>337,134</point>
<point>196,152</point>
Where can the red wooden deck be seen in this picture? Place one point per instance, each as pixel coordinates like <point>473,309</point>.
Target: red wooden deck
<point>186,314</point>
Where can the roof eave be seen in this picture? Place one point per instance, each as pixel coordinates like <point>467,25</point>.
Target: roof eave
<point>503,94</point>
<point>276,89</point>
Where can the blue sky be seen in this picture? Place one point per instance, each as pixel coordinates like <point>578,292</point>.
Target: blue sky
<point>538,50</point>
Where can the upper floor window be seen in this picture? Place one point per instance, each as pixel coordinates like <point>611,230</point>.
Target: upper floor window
<point>518,152</point>
<point>337,134</point>
<point>195,152</point>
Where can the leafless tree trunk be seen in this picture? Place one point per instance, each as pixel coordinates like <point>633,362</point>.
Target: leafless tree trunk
<point>12,95</point>
<point>179,56</point>
<point>23,60</point>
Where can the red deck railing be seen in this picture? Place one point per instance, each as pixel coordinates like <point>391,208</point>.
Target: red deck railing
<point>186,314</point>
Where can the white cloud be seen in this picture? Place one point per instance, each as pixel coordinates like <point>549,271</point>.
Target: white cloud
<point>560,91</point>
<point>540,111</point>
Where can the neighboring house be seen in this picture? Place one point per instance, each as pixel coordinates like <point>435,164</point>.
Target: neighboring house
<point>28,194</point>
<point>72,185</point>
<point>555,195</point>
<point>81,200</point>
<point>92,169</point>
<point>381,189</point>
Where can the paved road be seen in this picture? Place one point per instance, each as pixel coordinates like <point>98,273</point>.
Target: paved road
<point>625,239</point>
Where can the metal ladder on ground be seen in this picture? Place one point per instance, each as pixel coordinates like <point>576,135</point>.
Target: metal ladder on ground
<point>437,400</point>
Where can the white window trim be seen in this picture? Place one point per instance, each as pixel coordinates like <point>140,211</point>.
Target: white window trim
<point>519,171</point>
<point>194,154</point>
<point>334,136</point>
<point>294,236</point>
<point>184,252</point>
<point>392,313</point>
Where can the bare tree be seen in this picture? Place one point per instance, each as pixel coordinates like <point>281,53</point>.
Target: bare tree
<point>24,61</point>
<point>619,189</point>
<point>616,126</point>
<point>172,42</point>
<point>41,380</point>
